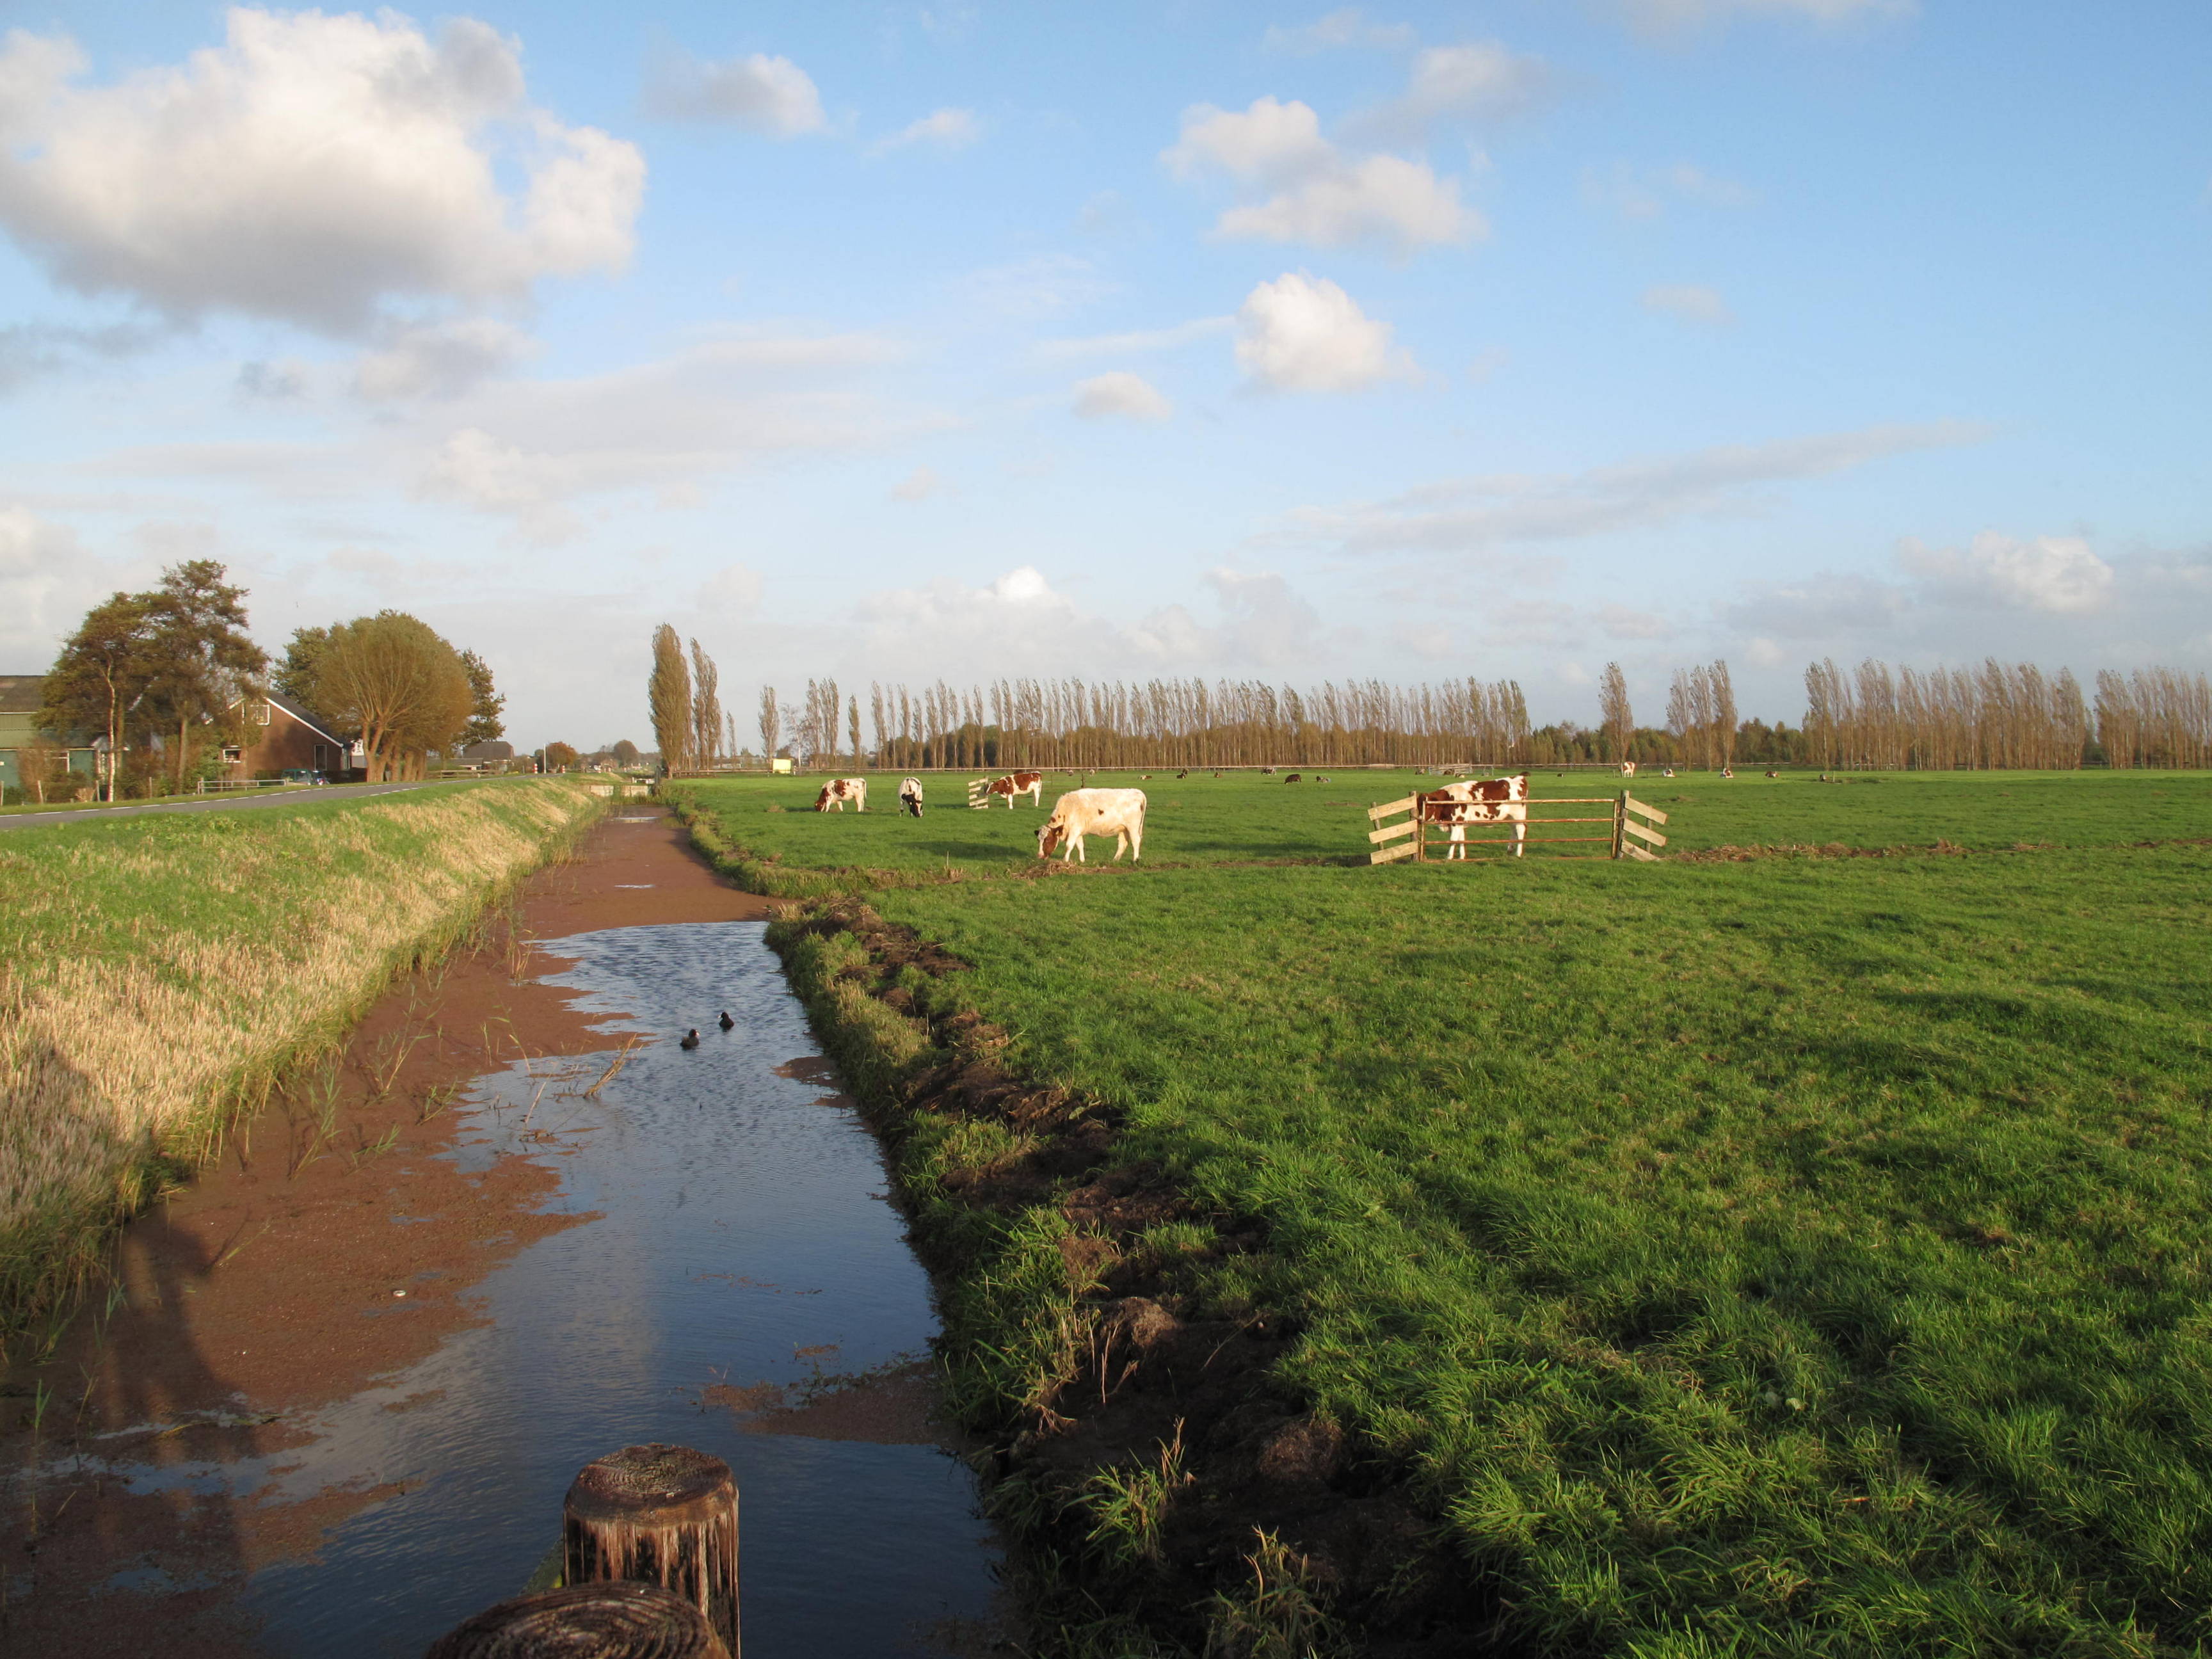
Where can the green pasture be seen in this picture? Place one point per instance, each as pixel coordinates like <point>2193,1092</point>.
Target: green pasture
<point>1800,1256</point>
<point>1244,817</point>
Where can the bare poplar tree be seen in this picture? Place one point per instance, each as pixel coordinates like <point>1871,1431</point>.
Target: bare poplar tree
<point>706,709</point>
<point>771,724</point>
<point>1614,713</point>
<point>853,728</point>
<point>1724,722</point>
<point>669,694</point>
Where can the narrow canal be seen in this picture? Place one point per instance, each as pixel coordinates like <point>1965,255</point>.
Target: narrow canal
<point>712,1260</point>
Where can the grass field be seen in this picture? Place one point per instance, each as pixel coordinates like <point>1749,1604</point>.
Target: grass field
<point>1793,1256</point>
<point>157,973</point>
<point>1244,817</point>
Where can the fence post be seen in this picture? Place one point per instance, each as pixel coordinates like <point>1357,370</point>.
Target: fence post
<point>665,1515</point>
<point>606,1618</point>
<point>1619,823</point>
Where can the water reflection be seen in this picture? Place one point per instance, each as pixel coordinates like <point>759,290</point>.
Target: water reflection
<point>740,1237</point>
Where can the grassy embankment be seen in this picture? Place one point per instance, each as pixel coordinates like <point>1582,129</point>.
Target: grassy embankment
<point>159,973</point>
<point>1801,1256</point>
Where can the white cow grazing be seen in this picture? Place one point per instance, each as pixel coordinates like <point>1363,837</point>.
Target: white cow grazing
<point>910,796</point>
<point>836,792</point>
<point>1080,812</point>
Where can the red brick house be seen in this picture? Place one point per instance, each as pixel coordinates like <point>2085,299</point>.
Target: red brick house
<point>281,736</point>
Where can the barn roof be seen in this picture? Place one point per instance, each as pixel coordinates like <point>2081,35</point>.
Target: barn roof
<point>19,693</point>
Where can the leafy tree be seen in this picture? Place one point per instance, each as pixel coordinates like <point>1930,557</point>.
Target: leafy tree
<point>625,754</point>
<point>559,756</point>
<point>40,764</point>
<point>202,660</point>
<point>402,688</point>
<point>298,676</point>
<point>669,693</point>
<point>102,675</point>
<point>485,724</point>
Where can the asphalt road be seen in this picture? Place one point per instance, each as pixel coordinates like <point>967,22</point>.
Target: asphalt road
<point>217,803</point>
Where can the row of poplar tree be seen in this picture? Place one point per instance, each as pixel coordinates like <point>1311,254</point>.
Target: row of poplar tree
<point>1998,716</point>
<point>164,680</point>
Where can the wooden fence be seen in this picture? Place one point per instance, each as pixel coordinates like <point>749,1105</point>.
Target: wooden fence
<point>1420,835</point>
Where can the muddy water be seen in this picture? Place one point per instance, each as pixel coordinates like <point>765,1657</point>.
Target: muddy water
<point>711,1260</point>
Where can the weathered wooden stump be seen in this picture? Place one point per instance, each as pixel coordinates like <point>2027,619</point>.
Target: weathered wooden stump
<point>612,1619</point>
<point>663,1515</point>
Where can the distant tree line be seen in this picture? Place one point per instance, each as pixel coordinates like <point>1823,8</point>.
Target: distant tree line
<point>2002,717</point>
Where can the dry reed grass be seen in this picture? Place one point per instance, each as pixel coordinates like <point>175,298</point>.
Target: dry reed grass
<point>157,978</point>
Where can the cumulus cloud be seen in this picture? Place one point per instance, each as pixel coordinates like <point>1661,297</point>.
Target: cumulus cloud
<point>1305,189</point>
<point>1121,393</point>
<point>311,168</point>
<point>1346,28</point>
<point>31,351</point>
<point>946,129</point>
<point>2059,574</point>
<point>918,485</point>
<point>1674,16</point>
<point>758,93</point>
<point>441,359</point>
<point>1481,80</point>
<point>1304,333</point>
<point>1689,302</point>
<point>1475,515</point>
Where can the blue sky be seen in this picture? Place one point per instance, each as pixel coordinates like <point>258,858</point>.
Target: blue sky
<point>890,342</point>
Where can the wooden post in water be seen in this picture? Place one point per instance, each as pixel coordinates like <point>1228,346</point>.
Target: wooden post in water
<point>612,1619</point>
<point>666,1515</point>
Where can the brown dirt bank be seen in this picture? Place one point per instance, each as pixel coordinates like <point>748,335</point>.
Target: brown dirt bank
<point>331,1245</point>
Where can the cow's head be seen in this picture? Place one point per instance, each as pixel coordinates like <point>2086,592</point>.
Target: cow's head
<point>1049,838</point>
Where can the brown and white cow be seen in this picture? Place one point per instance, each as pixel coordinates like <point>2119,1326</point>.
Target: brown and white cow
<point>1080,812</point>
<point>910,797</point>
<point>1480,800</point>
<point>1020,783</point>
<point>1628,769</point>
<point>836,792</point>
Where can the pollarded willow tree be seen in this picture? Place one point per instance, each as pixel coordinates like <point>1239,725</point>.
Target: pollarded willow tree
<point>393,680</point>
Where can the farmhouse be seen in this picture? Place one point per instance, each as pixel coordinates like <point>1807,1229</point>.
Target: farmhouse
<point>281,735</point>
<point>18,728</point>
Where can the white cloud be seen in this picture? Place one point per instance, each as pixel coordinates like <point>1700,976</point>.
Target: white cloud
<point>441,359</point>
<point>947,129</point>
<point>47,580</point>
<point>1764,653</point>
<point>1673,17</point>
<point>1479,80</point>
<point>1310,192</point>
<point>312,168</point>
<point>1689,302</point>
<point>1123,393</point>
<point>533,449</point>
<point>759,94</point>
<point>1304,333</point>
<point>1383,199</point>
<point>918,485</point>
<point>1621,622</point>
<point>732,590</point>
<point>1020,623</point>
<point>1137,341</point>
<point>1475,515</point>
<point>1339,29</point>
<point>2059,574</point>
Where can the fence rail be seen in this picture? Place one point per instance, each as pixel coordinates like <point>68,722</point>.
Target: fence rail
<point>1425,833</point>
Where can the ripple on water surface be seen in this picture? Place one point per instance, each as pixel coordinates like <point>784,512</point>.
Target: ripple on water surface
<point>740,1238</point>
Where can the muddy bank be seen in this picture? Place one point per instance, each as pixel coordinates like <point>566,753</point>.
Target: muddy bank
<point>330,1359</point>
